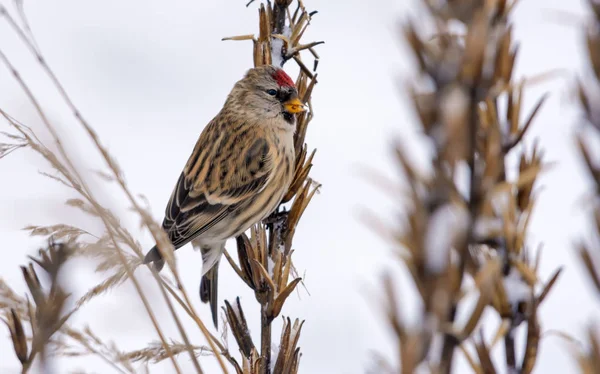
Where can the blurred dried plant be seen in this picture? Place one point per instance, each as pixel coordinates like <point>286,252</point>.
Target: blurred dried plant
<point>466,221</point>
<point>589,100</point>
<point>45,314</point>
<point>265,263</point>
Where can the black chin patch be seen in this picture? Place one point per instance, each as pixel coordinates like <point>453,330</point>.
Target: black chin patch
<point>288,117</point>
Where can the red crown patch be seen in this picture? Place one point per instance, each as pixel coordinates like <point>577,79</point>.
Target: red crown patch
<point>283,79</point>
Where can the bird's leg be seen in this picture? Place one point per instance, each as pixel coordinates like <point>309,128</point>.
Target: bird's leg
<point>276,224</point>
<point>276,217</point>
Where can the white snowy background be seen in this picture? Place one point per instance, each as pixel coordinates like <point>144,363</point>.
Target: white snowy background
<point>150,74</point>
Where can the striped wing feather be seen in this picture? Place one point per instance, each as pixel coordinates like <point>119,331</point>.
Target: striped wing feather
<point>221,176</point>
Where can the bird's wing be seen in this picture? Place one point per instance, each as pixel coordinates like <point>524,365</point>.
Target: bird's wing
<point>225,170</point>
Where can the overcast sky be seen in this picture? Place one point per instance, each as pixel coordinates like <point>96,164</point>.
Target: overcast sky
<point>150,74</point>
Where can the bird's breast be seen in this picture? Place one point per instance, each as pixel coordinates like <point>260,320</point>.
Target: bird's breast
<point>286,155</point>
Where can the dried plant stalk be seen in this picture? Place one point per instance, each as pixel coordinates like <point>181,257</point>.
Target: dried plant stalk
<point>264,258</point>
<point>453,233</point>
<point>588,91</point>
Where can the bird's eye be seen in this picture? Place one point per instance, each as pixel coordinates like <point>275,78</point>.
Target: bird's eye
<point>272,92</point>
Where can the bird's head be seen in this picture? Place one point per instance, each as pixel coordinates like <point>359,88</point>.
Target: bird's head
<point>266,92</point>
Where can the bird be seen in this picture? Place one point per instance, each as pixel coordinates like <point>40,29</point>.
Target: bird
<point>239,170</point>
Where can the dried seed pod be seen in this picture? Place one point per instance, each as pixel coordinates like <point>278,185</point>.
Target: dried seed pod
<point>239,327</point>
<point>17,334</point>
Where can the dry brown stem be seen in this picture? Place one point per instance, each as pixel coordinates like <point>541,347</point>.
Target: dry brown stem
<point>455,232</point>
<point>588,91</point>
<point>264,259</point>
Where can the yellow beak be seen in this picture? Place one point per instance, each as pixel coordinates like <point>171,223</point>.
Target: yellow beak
<point>294,106</point>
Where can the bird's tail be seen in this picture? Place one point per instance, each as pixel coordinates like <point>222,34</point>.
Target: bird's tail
<point>154,256</point>
<point>208,291</point>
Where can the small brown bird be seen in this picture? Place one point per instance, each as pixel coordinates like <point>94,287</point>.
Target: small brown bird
<point>240,169</point>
